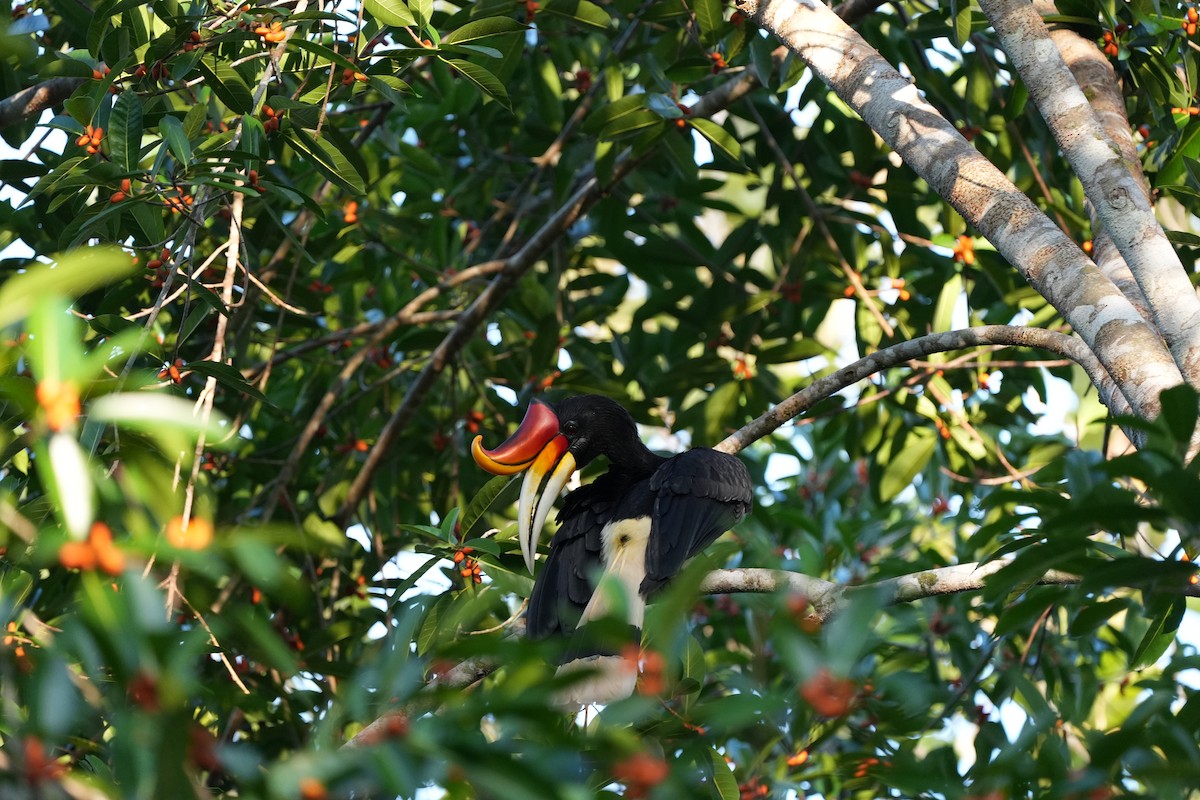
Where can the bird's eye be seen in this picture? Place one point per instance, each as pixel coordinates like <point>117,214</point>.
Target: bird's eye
<point>570,428</point>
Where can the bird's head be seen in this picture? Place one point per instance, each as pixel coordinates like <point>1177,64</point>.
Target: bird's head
<point>551,443</point>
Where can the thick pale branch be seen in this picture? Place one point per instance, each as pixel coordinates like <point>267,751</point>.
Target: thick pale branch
<point>1130,350</point>
<point>1098,80</point>
<point>923,346</point>
<point>1116,195</point>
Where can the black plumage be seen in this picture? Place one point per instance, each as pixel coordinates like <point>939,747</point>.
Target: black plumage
<point>690,499</point>
<point>635,525</point>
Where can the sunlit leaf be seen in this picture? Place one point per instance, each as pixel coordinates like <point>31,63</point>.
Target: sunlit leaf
<point>73,273</point>
<point>390,12</point>
<point>125,131</point>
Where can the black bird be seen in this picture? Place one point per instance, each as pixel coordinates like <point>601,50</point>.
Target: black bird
<point>636,524</point>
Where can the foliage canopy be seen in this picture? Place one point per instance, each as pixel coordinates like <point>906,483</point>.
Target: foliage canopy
<point>269,269</point>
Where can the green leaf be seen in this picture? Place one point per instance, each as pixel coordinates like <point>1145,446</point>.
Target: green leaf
<point>722,775</point>
<point>962,24</point>
<point>227,376</point>
<point>423,11</point>
<point>722,139</point>
<point>901,467</point>
<point>1175,170</point>
<point>584,12</point>
<point>54,351</point>
<point>322,52</point>
<point>74,273</point>
<point>943,313</point>
<point>226,84</point>
<point>390,12</point>
<point>488,83</point>
<point>71,481</point>
<point>631,123</point>
<point>1161,633</point>
<point>608,114</point>
<point>484,28</point>
<point>125,131</point>
<point>430,630</point>
<point>330,161</point>
<point>709,18</point>
<point>485,499</point>
<point>191,322</point>
<point>155,412</point>
<point>1183,238</point>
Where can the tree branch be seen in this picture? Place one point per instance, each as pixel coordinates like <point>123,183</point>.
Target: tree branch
<point>1099,82</point>
<point>825,599</point>
<point>1003,335</point>
<point>1128,347</point>
<point>475,314</point>
<point>587,195</point>
<point>30,102</point>
<point>1119,199</point>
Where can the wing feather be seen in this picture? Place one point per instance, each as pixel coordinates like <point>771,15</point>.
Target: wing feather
<point>699,495</point>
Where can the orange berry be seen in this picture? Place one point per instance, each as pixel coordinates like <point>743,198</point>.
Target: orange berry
<point>904,294</point>
<point>848,292</point>
<point>828,696</point>
<point>77,555</point>
<point>312,789</point>
<point>117,197</point>
<point>798,759</point>
<point>640,773</point>
<point>197,536</point>
<point>59,401</point>
<point>1087,246</point>
<point>964,250</point>
<point>108,557</point>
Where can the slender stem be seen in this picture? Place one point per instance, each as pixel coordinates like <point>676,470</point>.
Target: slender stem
<point>1067,346</point>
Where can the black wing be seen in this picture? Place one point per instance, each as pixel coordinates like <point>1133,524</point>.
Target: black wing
<point>564,585</point>
<point>699,495</point>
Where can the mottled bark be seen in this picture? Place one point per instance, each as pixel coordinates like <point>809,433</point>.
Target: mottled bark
<point>1118,197</point>
<point>1098,81</point>
<point>1129,349</point>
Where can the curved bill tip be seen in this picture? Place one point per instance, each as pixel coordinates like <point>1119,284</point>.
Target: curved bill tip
<point>518,452</point>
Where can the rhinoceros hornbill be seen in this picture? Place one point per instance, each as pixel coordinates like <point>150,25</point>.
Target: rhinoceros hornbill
<point>638,523</point>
